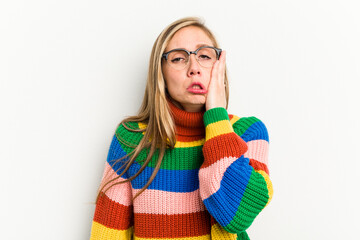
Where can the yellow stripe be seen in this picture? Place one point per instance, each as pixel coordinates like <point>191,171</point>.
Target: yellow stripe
<point>100,232</point>
<point>219,233</point>
<point>234,120</point>
<point>204,237</point>
<point>142,125</point>
<point>197,143</point>
<point>217,128</point>
<point>268,184</point>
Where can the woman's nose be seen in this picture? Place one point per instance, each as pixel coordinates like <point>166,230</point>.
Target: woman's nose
<point>194,66</point>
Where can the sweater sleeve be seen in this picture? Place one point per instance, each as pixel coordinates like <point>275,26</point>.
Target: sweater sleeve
<point>113,218</point>
<point>234,178</point>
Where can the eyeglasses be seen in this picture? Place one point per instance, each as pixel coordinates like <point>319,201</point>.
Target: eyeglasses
<point>179,58</point>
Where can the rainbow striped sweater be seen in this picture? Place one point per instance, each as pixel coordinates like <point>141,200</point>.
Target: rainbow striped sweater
<point>212,185</point>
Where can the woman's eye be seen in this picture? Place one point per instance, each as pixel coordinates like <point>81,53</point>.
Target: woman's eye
<point>176,60</point>
<point>205,57</point>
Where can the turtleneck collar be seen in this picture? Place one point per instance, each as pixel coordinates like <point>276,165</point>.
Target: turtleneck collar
<point>187,123</point>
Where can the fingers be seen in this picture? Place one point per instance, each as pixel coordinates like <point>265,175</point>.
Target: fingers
<point>218,70</point>
<point>222,60</point>
<point>216,90</point>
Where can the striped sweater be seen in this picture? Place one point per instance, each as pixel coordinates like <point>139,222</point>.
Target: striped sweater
<point>212,185</point>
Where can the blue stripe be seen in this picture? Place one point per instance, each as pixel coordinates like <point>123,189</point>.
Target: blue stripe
<point>166,180</point>
<point>224,204</point>
<point>116,152</point>
<point>257,131</point>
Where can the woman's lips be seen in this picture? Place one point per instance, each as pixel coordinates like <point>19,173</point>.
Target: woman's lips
<point>198,90</point>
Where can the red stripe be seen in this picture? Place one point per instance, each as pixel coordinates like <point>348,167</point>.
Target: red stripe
<point>112,214</point>
<point>259,165</point>
<point>213,221</point>
<point>172,226</point>
<point>225,145</point>
<point>186,131</point>
<point>189,138</point>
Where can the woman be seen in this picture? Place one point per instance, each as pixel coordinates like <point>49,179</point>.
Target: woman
<point>183,167</point>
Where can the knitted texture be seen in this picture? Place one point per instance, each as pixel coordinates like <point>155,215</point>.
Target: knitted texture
<point>212,185</point>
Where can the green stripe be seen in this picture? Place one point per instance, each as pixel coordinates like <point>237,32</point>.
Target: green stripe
<point>251,204</point>
<point>243,236</point>
<point>215,115</point>
<point>192,157</point>
<point>241,125</point>
<point>175,159</point>
<point>128,136</point>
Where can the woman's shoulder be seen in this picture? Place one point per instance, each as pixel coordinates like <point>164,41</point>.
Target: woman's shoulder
<point>129,125</point>
<point>130,132</point>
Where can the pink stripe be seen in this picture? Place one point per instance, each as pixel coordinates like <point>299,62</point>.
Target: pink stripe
<point>163,202</point>
<point>120,193</point>
<point>210,177</point>
<point>258,150</point>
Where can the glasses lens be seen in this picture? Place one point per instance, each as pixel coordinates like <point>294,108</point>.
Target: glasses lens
<point>207,57</point>
<point>178,59</point>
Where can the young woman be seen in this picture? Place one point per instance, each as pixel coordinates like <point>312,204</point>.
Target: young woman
<point>184,168</point>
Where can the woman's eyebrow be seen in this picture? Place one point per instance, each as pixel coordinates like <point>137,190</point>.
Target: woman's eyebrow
<point>202,44</point>
<point>197,46</point>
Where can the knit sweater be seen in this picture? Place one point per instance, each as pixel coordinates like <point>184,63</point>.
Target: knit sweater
<point>212,185</point>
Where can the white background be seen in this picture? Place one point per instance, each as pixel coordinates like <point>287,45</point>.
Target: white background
<point>70,71</point>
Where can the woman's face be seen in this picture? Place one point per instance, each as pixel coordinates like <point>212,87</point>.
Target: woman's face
<point>180,82</point>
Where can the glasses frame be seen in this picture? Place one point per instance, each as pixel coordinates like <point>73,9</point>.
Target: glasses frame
<point>218,52</point>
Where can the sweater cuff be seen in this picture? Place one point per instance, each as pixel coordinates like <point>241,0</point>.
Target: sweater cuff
<point>215,115</point>
<point>217,122</point>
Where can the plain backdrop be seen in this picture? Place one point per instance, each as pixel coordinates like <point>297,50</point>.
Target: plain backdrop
<point>70,71</point>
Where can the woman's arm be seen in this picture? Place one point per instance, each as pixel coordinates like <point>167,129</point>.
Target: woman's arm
<point>234,178</point>
<point>113,218</point>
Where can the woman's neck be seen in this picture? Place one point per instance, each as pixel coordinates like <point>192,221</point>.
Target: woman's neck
<point>187,123</point>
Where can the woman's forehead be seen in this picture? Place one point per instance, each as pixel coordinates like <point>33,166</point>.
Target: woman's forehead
<point>190,38</point>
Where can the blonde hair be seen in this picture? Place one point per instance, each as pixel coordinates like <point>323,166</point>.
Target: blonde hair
<point>154,110</point>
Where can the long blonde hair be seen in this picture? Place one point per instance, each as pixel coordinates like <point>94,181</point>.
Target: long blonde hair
<point>154,111</point>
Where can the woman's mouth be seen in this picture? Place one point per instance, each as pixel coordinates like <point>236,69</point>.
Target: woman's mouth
<point>197,88</point>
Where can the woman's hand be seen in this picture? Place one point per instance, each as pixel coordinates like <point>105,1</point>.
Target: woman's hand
<point>216,96</point>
